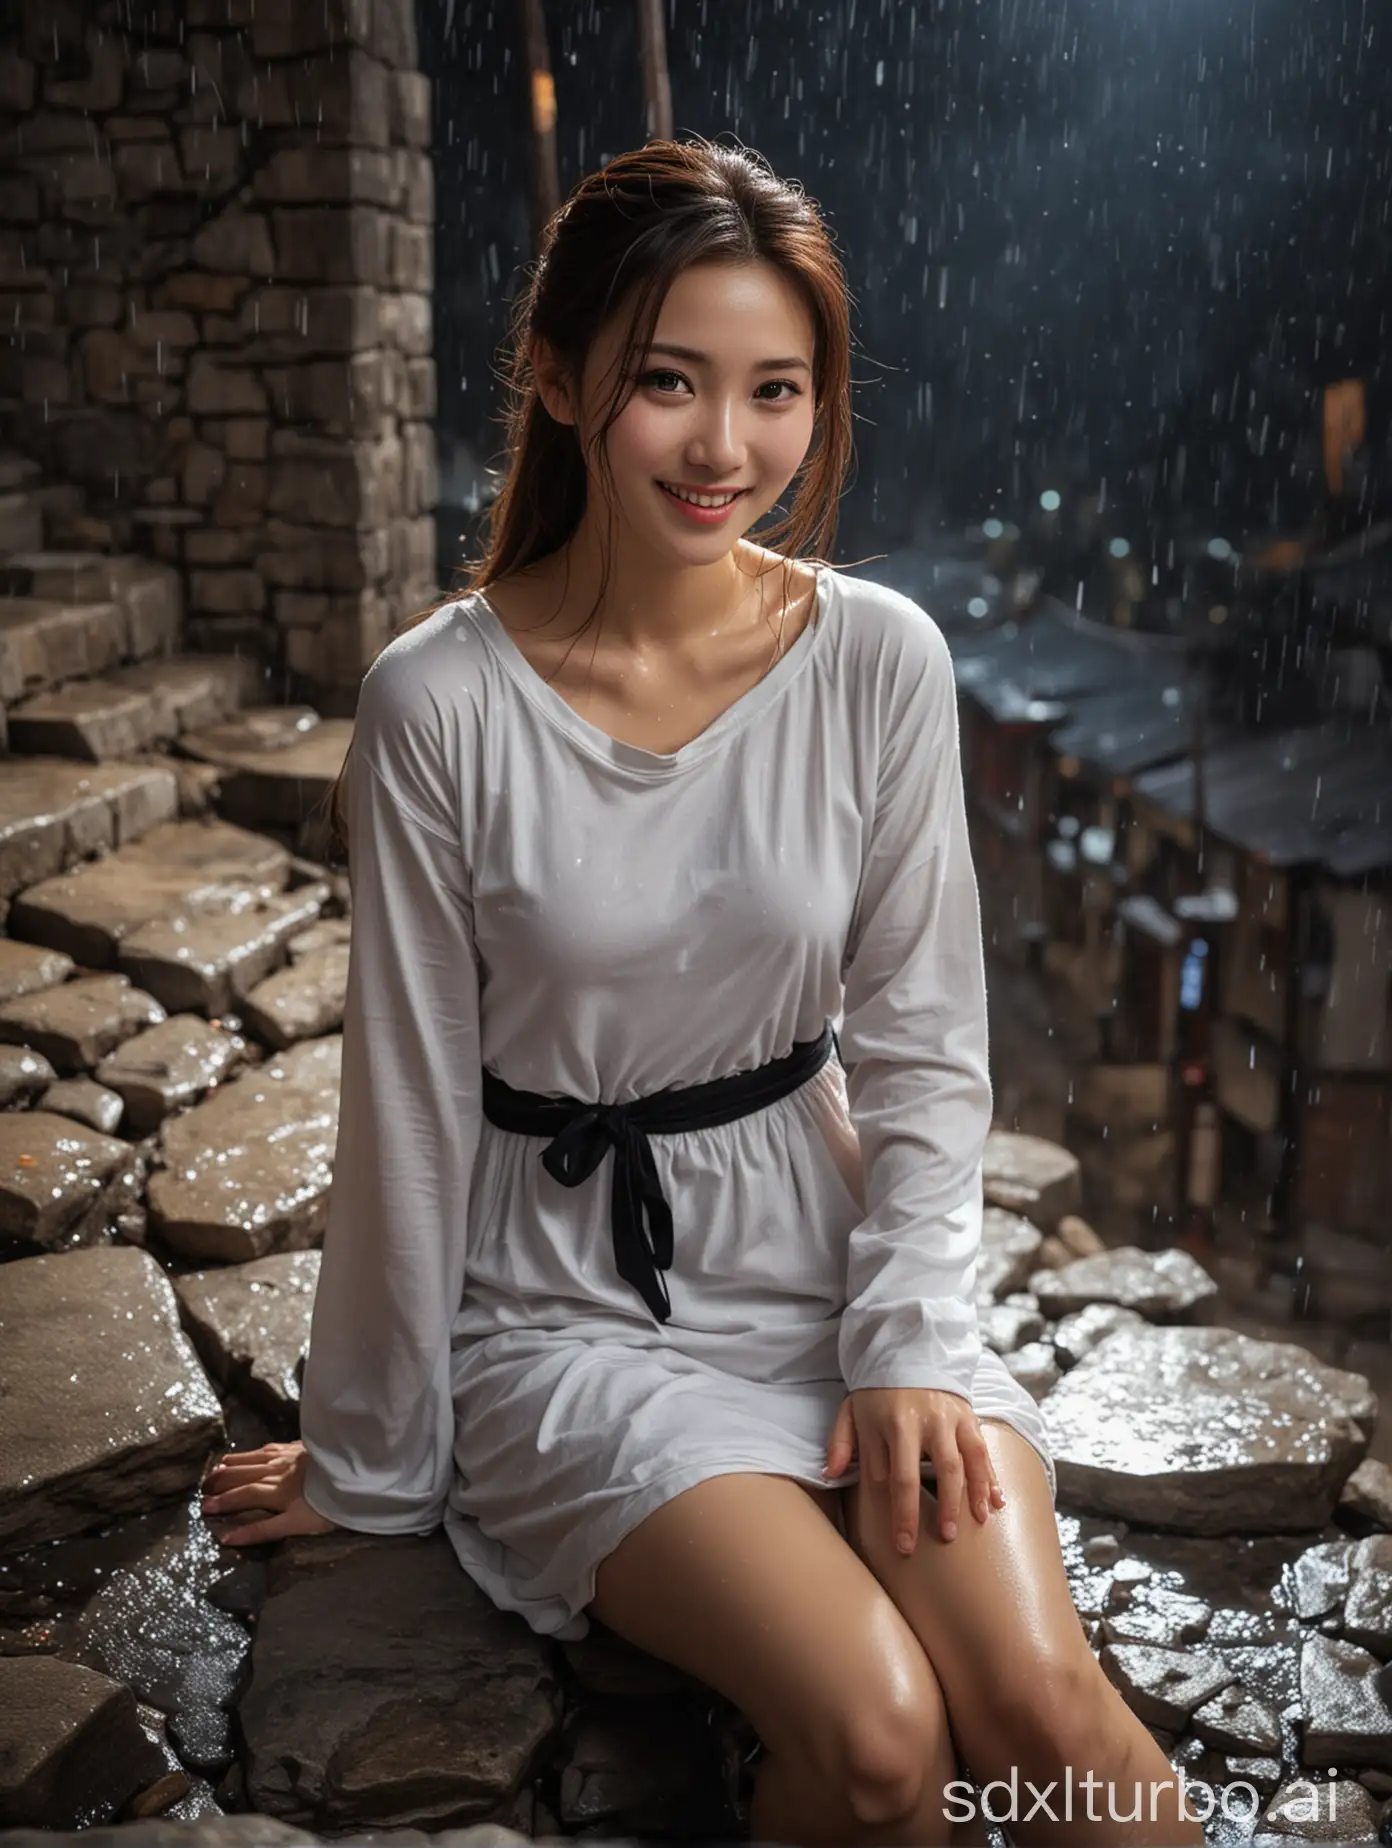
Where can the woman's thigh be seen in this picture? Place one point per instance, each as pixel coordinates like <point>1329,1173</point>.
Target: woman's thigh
<point>747,1582</point>
<point>998,1594</point>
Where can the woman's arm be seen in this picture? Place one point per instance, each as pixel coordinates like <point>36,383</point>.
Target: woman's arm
<point>376,1414</point>
<point>914,1041</point>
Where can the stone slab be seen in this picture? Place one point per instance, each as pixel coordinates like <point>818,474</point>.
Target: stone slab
<point>279,763</point>
<point>78,1023</point>
<point>1027,1175</point>
<point>53,1174</point>
<point>90,911</point>
<point>250,1323</point>
<point>169,1067</point>
<point>44,641</point>
<point>205,958</point>
<point>104,1406</point>
<point>53,812</point>
<point>248,1171</point>
<point>95,720</point>
<point>72,1751</point>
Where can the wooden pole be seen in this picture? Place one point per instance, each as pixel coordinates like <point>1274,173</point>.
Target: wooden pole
<point>545,180</point>
<point>657,85</point>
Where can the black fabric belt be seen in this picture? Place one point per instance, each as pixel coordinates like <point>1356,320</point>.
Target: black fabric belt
<point>581,1134</point>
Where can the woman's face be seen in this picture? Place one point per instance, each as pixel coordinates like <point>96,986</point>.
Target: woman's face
<point>719,415</point>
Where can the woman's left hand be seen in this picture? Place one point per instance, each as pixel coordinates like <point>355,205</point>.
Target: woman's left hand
<point>894,1428</point>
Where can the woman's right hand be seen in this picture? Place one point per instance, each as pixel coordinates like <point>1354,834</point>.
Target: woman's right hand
<point>268,1482</point>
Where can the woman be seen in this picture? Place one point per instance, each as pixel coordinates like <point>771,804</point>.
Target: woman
<point>665,1313</point>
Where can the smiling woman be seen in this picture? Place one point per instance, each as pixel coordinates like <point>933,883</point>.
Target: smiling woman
<point>655,1290</point>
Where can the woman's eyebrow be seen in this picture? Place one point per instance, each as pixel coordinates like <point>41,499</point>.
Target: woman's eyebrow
<point>703,359</point>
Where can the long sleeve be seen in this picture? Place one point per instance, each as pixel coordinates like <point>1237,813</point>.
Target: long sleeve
<point>914,1041</point>
<point>375,1413</point>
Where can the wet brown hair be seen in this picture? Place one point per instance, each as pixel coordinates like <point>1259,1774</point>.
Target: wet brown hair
<point>618,243</point>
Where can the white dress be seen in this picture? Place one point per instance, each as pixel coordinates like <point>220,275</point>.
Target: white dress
<point>592,920</point>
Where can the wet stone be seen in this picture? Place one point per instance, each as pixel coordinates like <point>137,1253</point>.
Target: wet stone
<point>1009,1254</point>
<point>45,640</point>
<point>1162,1286</point>
<point>1346,1720</point>
<point>53,1178</point>
<point>193,691</point>
<point>1078,1334</point>
<point>1034,1366</point>
<point>72,1751</point>
<point>1159,1615</point>
<point>1368,1605</point>
<point>104,1407</point>
<point>54,812</point>
<point>24,1075</point>
<point>1007,1327</point>
<point>1263,1774</point>
<point>640,1768</point>
<point>1027,1175</point>
<point>1315,1585</point>
<point>25,968</point>
<point>1207,1431</point>
<point>169,1067</point>
<point>1340,1811</point>
<point>215,951</point>
<point>1163,1687</point>
<point>93,719</point>
<point>247,1172</point>
<point>91,911</point>
<point>426,1711</point>
<point>280,762</point>
<point>306,998</point>
<point>1236,1721</point>
<point>250,1323</point>
<point>85,1101</point>
<point>1367,1496</point>
<point>78,1023</point>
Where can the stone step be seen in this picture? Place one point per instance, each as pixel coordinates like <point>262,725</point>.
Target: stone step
<point>55,813</point>
<point>77,1024</point>
<point>90,911</point>
<point>204,958</point>
<point>21,521</point>
<point>146,594</point>
<point>132,708</point>
<point>279,765</point>
<point>44,642</point>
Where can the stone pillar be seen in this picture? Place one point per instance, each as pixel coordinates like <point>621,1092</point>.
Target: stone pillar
<point>216,255</point>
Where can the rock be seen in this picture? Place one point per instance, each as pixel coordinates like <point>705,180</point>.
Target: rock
<point>1009,1253</point>
<point>193,691</point>
<point>1027,1175</point>
<point>71,1748</point>
<point>25,968</point>
<point>1367,1494</point>
<point>1368,1604</point>
<point>248,1170</point>
<point>53,1177</point>
<point>53,812</point>
<point>307,998</point>
<point>1340,1811</point>
<point>1034,1367</point>
<point>170,1066</point>
<point>1102,1550</point>
<point>250,1323</point>
<point>91,911</point>
<point>1166,1618</point>
<point>1316,1583</point>
<point>1346,1719</point>
<point>1164,1686</point>
<point>1162,1286</point>
<point>92,719</point>
<point>44,642</point>
<point>23,1075</point>
<point>104,1408</point>
<point>279,762</point>
<point>1006,1327</point>
<point>425,1711</point>
<point>1206,1431</point>
<point>1263,1774</point>
<point>76,1024</point>
<point>216,948</point>
<point>1078,1237</point>
<point>85,1101</point>
<point>1236,1721</point>
<point>1078,1334</point>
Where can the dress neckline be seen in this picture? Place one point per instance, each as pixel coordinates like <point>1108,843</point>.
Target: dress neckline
<point>655,764</point>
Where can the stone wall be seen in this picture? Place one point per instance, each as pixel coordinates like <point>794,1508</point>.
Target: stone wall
<point>216,251</point>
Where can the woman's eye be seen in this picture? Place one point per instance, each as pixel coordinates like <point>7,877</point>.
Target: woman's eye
<point>650,378</point>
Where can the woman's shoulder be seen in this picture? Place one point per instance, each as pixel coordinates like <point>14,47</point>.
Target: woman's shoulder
<point>430,672</point>
<point>892,637</point>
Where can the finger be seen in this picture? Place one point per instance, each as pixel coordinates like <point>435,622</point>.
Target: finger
<point>255,1533</point>
<point>244,1495</point>
<point>951,1475</point>
<point>980,1476</point>
<point>906,1496</point>
<point>839,1443</point>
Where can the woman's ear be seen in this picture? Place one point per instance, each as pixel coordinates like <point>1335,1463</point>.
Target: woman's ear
<point>553,387</point>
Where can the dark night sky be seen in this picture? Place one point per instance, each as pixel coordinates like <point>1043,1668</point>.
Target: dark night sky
<point>1089,241</point>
